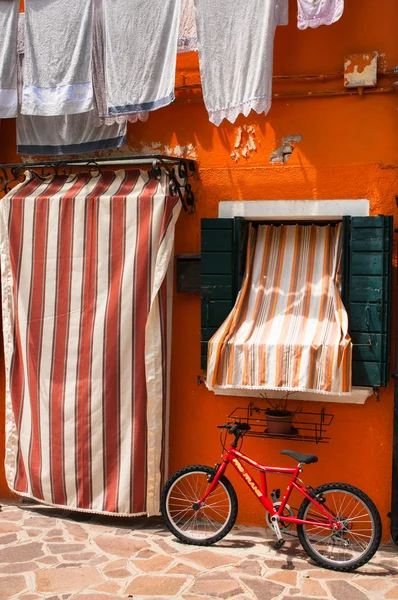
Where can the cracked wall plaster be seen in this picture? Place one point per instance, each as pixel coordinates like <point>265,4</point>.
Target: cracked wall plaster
<point>283,153</point>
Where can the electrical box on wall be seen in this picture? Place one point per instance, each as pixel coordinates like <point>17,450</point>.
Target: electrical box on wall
<point>360,70</point>
<point>188,273</point>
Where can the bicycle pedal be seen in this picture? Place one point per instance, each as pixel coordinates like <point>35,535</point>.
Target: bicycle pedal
<point>278,545</point>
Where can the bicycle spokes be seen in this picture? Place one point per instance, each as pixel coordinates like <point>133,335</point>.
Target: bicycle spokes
<point>196,520</point>
<point>354,532</point>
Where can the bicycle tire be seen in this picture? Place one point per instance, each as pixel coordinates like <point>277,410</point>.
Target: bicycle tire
<point>350,565</point>
<point>230,522</point>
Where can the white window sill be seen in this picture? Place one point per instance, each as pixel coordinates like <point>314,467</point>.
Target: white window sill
<point>293,209</point>
<point>358,395</point>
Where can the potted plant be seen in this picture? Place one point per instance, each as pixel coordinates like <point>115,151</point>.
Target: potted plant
<point>279,417</point>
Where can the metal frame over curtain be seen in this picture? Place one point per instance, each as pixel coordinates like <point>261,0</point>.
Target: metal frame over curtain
<point>85,265</point>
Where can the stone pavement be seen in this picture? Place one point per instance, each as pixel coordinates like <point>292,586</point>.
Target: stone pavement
<point>57,555</point>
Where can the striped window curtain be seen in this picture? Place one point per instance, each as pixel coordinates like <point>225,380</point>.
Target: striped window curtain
<point>86,284</point>
<point>288,329</point>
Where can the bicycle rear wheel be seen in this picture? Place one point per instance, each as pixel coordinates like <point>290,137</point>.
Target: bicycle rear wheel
<point>209,523</point>
<point>359,537</point>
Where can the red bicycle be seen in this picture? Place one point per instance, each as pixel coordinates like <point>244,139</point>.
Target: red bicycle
<point>338,525</point>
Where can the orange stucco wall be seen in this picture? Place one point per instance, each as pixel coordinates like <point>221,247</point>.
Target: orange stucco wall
<point>349,149</point>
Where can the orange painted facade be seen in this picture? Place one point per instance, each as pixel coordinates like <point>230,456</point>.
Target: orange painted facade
<point>349,150</point>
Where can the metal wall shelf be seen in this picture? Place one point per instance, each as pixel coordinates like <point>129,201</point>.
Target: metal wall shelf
<point>307,426</point>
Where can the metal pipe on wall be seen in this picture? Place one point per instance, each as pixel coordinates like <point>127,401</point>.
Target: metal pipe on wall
<point>192,92</point>
<point>316,94</point>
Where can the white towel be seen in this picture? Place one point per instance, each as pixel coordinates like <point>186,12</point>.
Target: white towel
<point>187,35</point>
<point>57,76</point>
<point>236,44</point>
<point>100,98</point>
<point>141,51</point>
<point>282,11</point>
<point>313,13</point>
<point>66,135</point>
<point>62,135</point>
<point>8,58</point>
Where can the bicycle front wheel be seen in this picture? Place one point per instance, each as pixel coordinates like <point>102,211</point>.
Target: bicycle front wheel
<point>360,535</point>
<point>198,526</point>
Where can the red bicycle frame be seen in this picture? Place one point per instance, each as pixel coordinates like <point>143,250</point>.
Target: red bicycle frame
<point>235,457</point>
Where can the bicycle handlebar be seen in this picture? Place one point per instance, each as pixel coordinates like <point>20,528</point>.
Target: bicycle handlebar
<point>235,428</point>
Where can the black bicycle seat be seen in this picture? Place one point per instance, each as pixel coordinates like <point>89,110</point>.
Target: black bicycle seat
<point>306,459</point>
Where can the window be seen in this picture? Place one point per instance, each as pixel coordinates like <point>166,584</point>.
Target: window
<point>366,287</point>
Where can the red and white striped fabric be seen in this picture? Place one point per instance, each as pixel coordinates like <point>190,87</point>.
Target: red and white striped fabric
<point>288,330</point>
<point>85,264</point>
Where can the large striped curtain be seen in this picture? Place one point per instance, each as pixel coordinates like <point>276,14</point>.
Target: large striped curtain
<point>288,330</point>
<point>85,269</point>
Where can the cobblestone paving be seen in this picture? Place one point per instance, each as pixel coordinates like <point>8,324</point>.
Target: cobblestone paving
<point>46,553</point>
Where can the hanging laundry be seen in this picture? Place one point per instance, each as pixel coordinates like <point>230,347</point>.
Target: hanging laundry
<point>8,58</point>
<point>282,11</point>
<point>187,35</point>
<point>100,100</point>
<point>236,67</point>
<point>313,13</point>
<point>62,135</point>
<point>57,73</point>
<point>65,135</point>
<point>140,54</point>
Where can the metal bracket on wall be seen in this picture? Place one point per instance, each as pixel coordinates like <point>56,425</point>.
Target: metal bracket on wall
<point>179,170</point>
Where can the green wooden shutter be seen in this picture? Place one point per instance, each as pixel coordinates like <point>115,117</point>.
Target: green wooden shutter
<point>366,292</point>
<point>223,260</point>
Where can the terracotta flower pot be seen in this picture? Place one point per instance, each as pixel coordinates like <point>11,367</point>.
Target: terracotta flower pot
<point>280,424</point>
